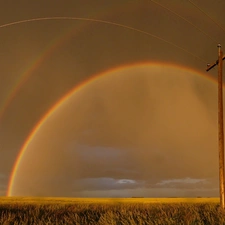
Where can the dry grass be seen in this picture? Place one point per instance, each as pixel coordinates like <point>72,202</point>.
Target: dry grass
<point>121,211</point>
<point>105,200</point>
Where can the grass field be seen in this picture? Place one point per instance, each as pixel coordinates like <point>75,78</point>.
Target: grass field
<point>103,211</point>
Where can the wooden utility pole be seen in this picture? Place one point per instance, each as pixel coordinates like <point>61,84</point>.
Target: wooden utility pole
<point>219,62</point>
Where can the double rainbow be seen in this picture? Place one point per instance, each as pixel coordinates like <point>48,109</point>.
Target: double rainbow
<point>66,97</point>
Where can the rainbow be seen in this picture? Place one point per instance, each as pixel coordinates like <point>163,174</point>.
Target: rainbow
<point>66,97</point>
<point>57,42</point>
<point>52,46</point>
<point>23,78</point>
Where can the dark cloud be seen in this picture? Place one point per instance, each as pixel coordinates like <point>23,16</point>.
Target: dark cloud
<point>185,183</point>
<point>104,183</point>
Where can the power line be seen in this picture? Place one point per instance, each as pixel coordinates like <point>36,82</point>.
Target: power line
<point>207,15</point>
<point>178,15</point>
<point>105,22</point>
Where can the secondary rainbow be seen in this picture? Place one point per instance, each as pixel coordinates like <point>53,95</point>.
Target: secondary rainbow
<point>59,103</point>
<point>59,41</point>
<point>23,78</point>
<point>54,44</point>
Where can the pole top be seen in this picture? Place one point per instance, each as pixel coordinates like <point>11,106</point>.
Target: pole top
<point>219,45</point>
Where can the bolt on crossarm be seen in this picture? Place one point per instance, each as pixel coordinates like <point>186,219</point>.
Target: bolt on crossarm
<point>219,62</point>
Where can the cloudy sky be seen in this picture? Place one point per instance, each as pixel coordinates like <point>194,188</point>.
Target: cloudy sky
<point>146,126</point>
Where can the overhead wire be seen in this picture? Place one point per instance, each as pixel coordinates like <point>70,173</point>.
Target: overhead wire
<point>186,20</point>
<point>105,22</point>
<point>207,15</point>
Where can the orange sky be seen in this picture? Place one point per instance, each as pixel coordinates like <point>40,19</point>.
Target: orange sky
<point>80,50</point>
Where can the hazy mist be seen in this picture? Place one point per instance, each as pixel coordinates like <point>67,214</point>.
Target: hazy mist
<point>142,130</point>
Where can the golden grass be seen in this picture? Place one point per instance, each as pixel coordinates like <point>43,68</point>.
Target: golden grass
<point>54,200</point>
<point>102,211</point>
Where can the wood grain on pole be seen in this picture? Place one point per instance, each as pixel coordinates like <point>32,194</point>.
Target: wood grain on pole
<point>219,62</point>
<point>220,125</point>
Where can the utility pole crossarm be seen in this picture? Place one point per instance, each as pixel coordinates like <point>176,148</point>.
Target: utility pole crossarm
<point>209,67</point>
